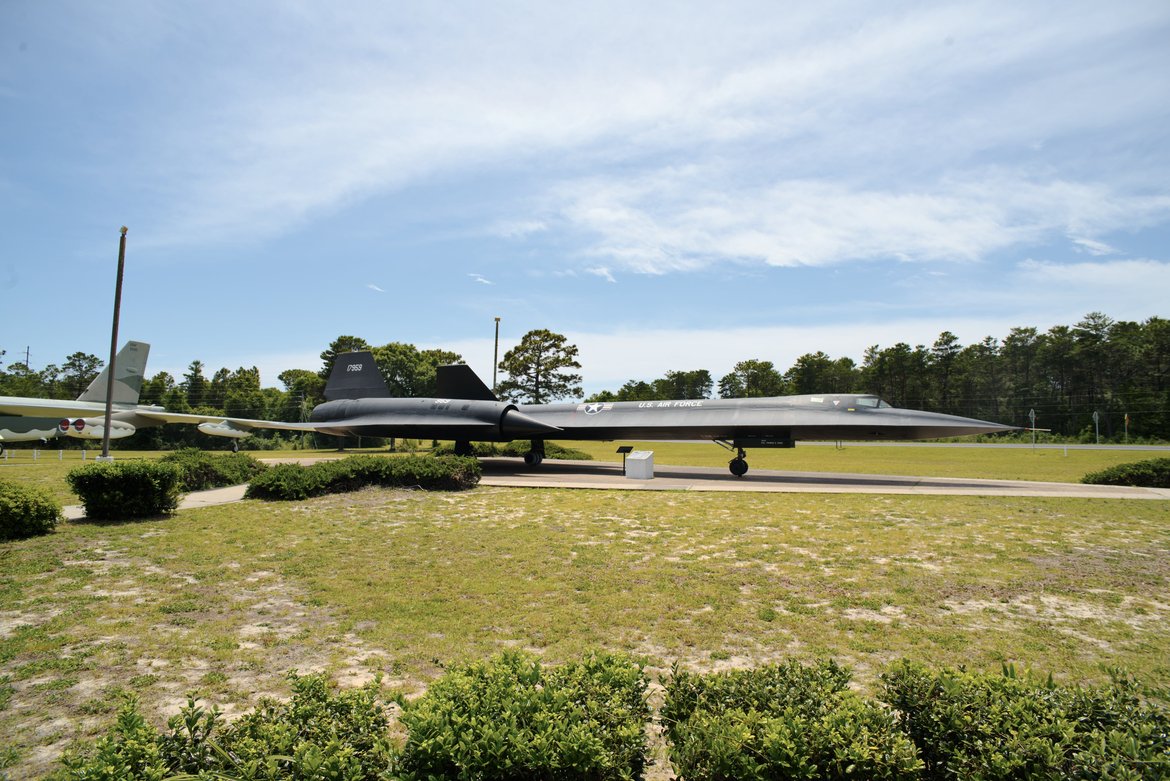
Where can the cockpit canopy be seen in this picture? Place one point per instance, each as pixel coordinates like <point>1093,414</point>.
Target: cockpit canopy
<point>872,401</point>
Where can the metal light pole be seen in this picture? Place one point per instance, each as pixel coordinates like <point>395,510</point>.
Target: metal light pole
<point>105,456</point>
<point>496,355</point>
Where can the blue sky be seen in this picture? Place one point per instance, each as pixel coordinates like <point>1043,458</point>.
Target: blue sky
<point>670,185</point>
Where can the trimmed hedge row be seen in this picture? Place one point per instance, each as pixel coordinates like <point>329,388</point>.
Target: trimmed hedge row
<point>26,511</point>
<point>291,482</point>
<point>511,718</point>
<point>127,489</point>
<point>202,470</point>
<point>1153,473</point>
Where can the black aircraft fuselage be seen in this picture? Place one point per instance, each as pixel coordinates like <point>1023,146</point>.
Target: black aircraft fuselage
<point>467,411</point>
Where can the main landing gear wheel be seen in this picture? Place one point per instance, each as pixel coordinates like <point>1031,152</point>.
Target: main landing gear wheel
<point>463,448</point>
<point>738,465</point>
<point>533,458</point>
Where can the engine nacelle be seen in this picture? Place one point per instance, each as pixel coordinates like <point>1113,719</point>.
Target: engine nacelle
<point>223,429</point>
<point>94,428</point>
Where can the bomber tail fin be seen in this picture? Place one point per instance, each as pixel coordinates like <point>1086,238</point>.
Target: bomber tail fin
<point>355,376</point>
<point>129,368</point>
<point>458,381</point>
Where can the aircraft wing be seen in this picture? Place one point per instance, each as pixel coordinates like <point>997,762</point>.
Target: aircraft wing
<point>15,405</point>
<point>242,425</point>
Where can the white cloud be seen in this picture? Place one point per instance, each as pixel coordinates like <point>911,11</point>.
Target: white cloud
<point>610,358</point>
<point>1107,286</point>
<point>682,219</point>
<point>375,288</point>
<point>788,100</point>
<point>481,279</point>
<point>1093,247</point>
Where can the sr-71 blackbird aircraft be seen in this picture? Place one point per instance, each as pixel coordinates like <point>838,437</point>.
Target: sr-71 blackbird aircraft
<point>466,410</point>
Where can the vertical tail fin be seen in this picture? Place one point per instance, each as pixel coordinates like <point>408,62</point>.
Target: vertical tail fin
<point>355,376</point>
<point>130,368</point>
<point>459,381</point>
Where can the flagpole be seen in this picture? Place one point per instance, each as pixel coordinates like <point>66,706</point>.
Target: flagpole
<point>105,456</point>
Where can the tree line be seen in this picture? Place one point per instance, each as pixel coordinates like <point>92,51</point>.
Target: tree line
<point>1119,370</point>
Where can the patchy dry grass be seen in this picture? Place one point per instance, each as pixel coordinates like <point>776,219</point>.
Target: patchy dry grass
<point>223,601</point>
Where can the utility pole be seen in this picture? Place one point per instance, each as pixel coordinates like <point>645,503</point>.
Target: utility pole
<point>496,355</point>
<point>105,456</point>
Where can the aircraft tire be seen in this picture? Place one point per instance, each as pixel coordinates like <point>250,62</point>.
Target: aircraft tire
<point>738,467</point>
<point>533,458</point>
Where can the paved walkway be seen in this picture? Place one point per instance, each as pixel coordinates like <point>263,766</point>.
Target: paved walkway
<point>511,472</point>
<point>596,474</point>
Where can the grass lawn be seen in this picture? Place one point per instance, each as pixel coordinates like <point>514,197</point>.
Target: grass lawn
<point>223,601</point>
<point>991,463</point>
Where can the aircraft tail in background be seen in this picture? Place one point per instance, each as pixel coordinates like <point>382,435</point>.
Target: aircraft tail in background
<point>356,376</point>
<point>130,369</point>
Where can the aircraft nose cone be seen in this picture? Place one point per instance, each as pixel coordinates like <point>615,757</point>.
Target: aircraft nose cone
<point>516,423</point>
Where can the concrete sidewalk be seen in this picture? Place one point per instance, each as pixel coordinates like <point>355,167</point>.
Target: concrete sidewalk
<point>604,475</point>
<point>194,500</point>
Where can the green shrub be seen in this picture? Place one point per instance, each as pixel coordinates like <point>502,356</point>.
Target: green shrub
<point>26,511</point>
<point>781,721</point>
<point>315,735</point>
<point>552,450</point>
<point>202,470</point>
<point>511,719</point>
<point>478,449</point>
<point>975,725</point>
<point>292,482</point>
<point>517,449</point>
<point>1154,473</point>
<point>126,489</point>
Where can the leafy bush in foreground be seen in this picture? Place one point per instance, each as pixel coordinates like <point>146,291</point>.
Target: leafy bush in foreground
<point>511,719</point>
<point>126,489</point>
<point>315,735</point>
<point>1153,473</point>
<point>202,470</point>
<point>292,482</point>
<point>975,725</point>
<point>781,721</point>
<point>26,511</point>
